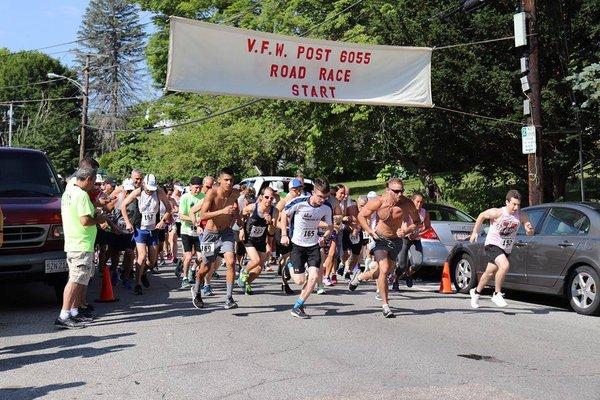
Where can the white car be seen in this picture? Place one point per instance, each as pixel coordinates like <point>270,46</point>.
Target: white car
<point>277,182</point>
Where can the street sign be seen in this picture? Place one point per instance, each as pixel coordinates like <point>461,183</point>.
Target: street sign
<point>528,139</point>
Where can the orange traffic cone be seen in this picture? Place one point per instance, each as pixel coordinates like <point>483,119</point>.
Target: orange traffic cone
<point>446,284</point>
<point>106,293</point>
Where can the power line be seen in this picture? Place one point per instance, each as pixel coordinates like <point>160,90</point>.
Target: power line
<point>31,84</point>
<point>506,121</point>
<point>39,100</point>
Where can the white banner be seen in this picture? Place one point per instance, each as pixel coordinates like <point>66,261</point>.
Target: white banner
<point>209,58</point>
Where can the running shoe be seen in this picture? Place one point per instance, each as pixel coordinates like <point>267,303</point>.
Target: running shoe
<point>87,312</point>
<point>215,275</point>
<point>299,313</point>
<point>378,296</point>
<point>207,290</point>
<point>409,281</point>
<point>353,284</point>
<point>82,319</point>
<point>230,304</point>
<point>286,288</point>
<point>340,270</point>
<point>137,290</point>
<point>498,299</point>
<point>474,298</point>
<point>197,299</point>
<point>185,284</point>
<point>320,289</point>
<point>68,323</point>
<point>334,279</point>
<point>387,313</point>
<point>178,268</point>
<point>248,289</point>
<point>327,281</point>
<point>161,263</point>
<point>145,280</point>
<point>396,287</point>
<point>241,280</point>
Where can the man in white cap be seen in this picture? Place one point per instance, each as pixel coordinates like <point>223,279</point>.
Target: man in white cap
<point>145,225</point>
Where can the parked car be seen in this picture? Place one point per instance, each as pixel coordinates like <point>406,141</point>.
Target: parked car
<point>30,196</point>
<point>449,226</point>
<point>260,182</point>
<point>562,258</point>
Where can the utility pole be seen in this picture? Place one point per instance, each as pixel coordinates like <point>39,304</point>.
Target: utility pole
<point>10,124</point>
<point>534,161</point>
<point>84,107</point>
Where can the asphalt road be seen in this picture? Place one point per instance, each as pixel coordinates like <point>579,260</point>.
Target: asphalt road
<point>157,346</point>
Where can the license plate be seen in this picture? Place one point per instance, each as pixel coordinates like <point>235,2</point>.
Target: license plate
<point>54,266</point>
<point>461,236</point>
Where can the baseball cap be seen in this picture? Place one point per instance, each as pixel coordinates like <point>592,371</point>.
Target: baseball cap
<point>277,186</point>
<point>372,195</point>
<point>110,181</point>
<point>128,184</point>
<point>178,187</point>
<point>296,183</point>
<point>99,178</point>
<point>150,182</point>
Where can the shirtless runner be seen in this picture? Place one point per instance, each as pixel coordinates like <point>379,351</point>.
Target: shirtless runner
<point>391,209</point>
<point>220,209</point>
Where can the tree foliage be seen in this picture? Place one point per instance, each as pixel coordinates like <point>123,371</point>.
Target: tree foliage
<point>50,126</point>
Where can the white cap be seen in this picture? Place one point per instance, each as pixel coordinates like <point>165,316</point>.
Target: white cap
<point>277,186</point>
<point>178,187</point>
<point>99,178</point>
<point>128,184</point>
<point>372,195</point>
<point>150,182</point>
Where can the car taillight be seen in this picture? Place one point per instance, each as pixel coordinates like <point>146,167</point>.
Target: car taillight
<point>429,234</point>
<point>56,233</point>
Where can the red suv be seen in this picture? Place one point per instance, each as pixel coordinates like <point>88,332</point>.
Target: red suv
<point>30,194</point>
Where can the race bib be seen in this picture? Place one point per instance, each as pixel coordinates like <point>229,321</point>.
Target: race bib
<point>257,231</point>
<point>208,249</point>
<point>148,220</point>
<point>354,239</point>
<point>366,236</point>
<point>309,233</point>
<point>507,242</point>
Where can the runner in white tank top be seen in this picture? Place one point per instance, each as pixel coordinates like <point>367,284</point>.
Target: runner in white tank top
<point>499,242</point>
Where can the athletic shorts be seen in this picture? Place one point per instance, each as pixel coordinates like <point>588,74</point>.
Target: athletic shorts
<point>305,255</point>
<point>81,266</point>
<point>281,249</point>
<point>347,242</point>
<point>215,243</point>
<point>122,242</point>
<point>393,246</point>
<point>178,227</point>
<point>162,235</point>
<point>102,237</point>
<point>190,243</point>
<point>493,251</point>
<point>145,236</point>
<point>259,245</point>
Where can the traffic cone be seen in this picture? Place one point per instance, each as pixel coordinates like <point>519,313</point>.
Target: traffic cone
<point>106,293</point>
<point>446,283</point>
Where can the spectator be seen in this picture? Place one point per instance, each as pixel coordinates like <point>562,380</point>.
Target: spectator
<point>79,223</point>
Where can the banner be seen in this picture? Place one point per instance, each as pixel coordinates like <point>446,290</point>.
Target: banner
<point>209,58</point>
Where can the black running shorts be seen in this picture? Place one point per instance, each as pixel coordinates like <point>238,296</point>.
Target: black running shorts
<point>305,255</point>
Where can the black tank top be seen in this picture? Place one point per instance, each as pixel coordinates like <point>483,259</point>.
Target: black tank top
<point>256,226</point>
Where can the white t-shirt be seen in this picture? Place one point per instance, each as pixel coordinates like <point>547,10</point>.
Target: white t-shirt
<point>305,220</point>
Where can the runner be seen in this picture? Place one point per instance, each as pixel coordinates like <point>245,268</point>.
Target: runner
<point>175,227</point>
<point>219,209</point>
<point>413,245</point>
<point>296,186</point>
<point>352,243</point>
<point>189,231</point>
<point>125,243</point>
<point>145,232</point>
<point>504,224</point>
<point>307,215</point>
<point>391,209</point>
<point>257,220</point>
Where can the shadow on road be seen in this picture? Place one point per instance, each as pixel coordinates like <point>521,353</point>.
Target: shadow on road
<point>32,392</point>
<point>62,342</point>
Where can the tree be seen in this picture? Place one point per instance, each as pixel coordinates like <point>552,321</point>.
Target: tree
<point>111,30</point>
<point>47,125</point>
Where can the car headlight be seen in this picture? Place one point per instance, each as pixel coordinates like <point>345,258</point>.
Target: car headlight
<point>56,233</point>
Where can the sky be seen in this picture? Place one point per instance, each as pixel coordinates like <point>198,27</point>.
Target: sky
<point>31,24</point>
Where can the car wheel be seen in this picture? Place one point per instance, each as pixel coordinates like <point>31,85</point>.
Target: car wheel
<point>465,277</point>
<point>582,290</point>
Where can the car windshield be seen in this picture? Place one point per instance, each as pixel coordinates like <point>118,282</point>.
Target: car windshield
<point>27,175</point>
<point>445,213</point>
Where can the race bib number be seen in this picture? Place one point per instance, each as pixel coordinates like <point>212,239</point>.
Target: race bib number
<point>208,249</point>
<point>257,231</point>
<point>148,218</point>
<point>309,233</point>
<point>507,242</point>
<point>354,239</point>
<point>366,236</point>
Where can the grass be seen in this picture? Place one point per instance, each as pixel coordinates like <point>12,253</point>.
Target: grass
<point>358,188</point>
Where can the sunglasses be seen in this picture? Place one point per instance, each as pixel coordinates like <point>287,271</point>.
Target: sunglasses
<point>397,191</point>
<point>267,197</point>
<point>208,187</point>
